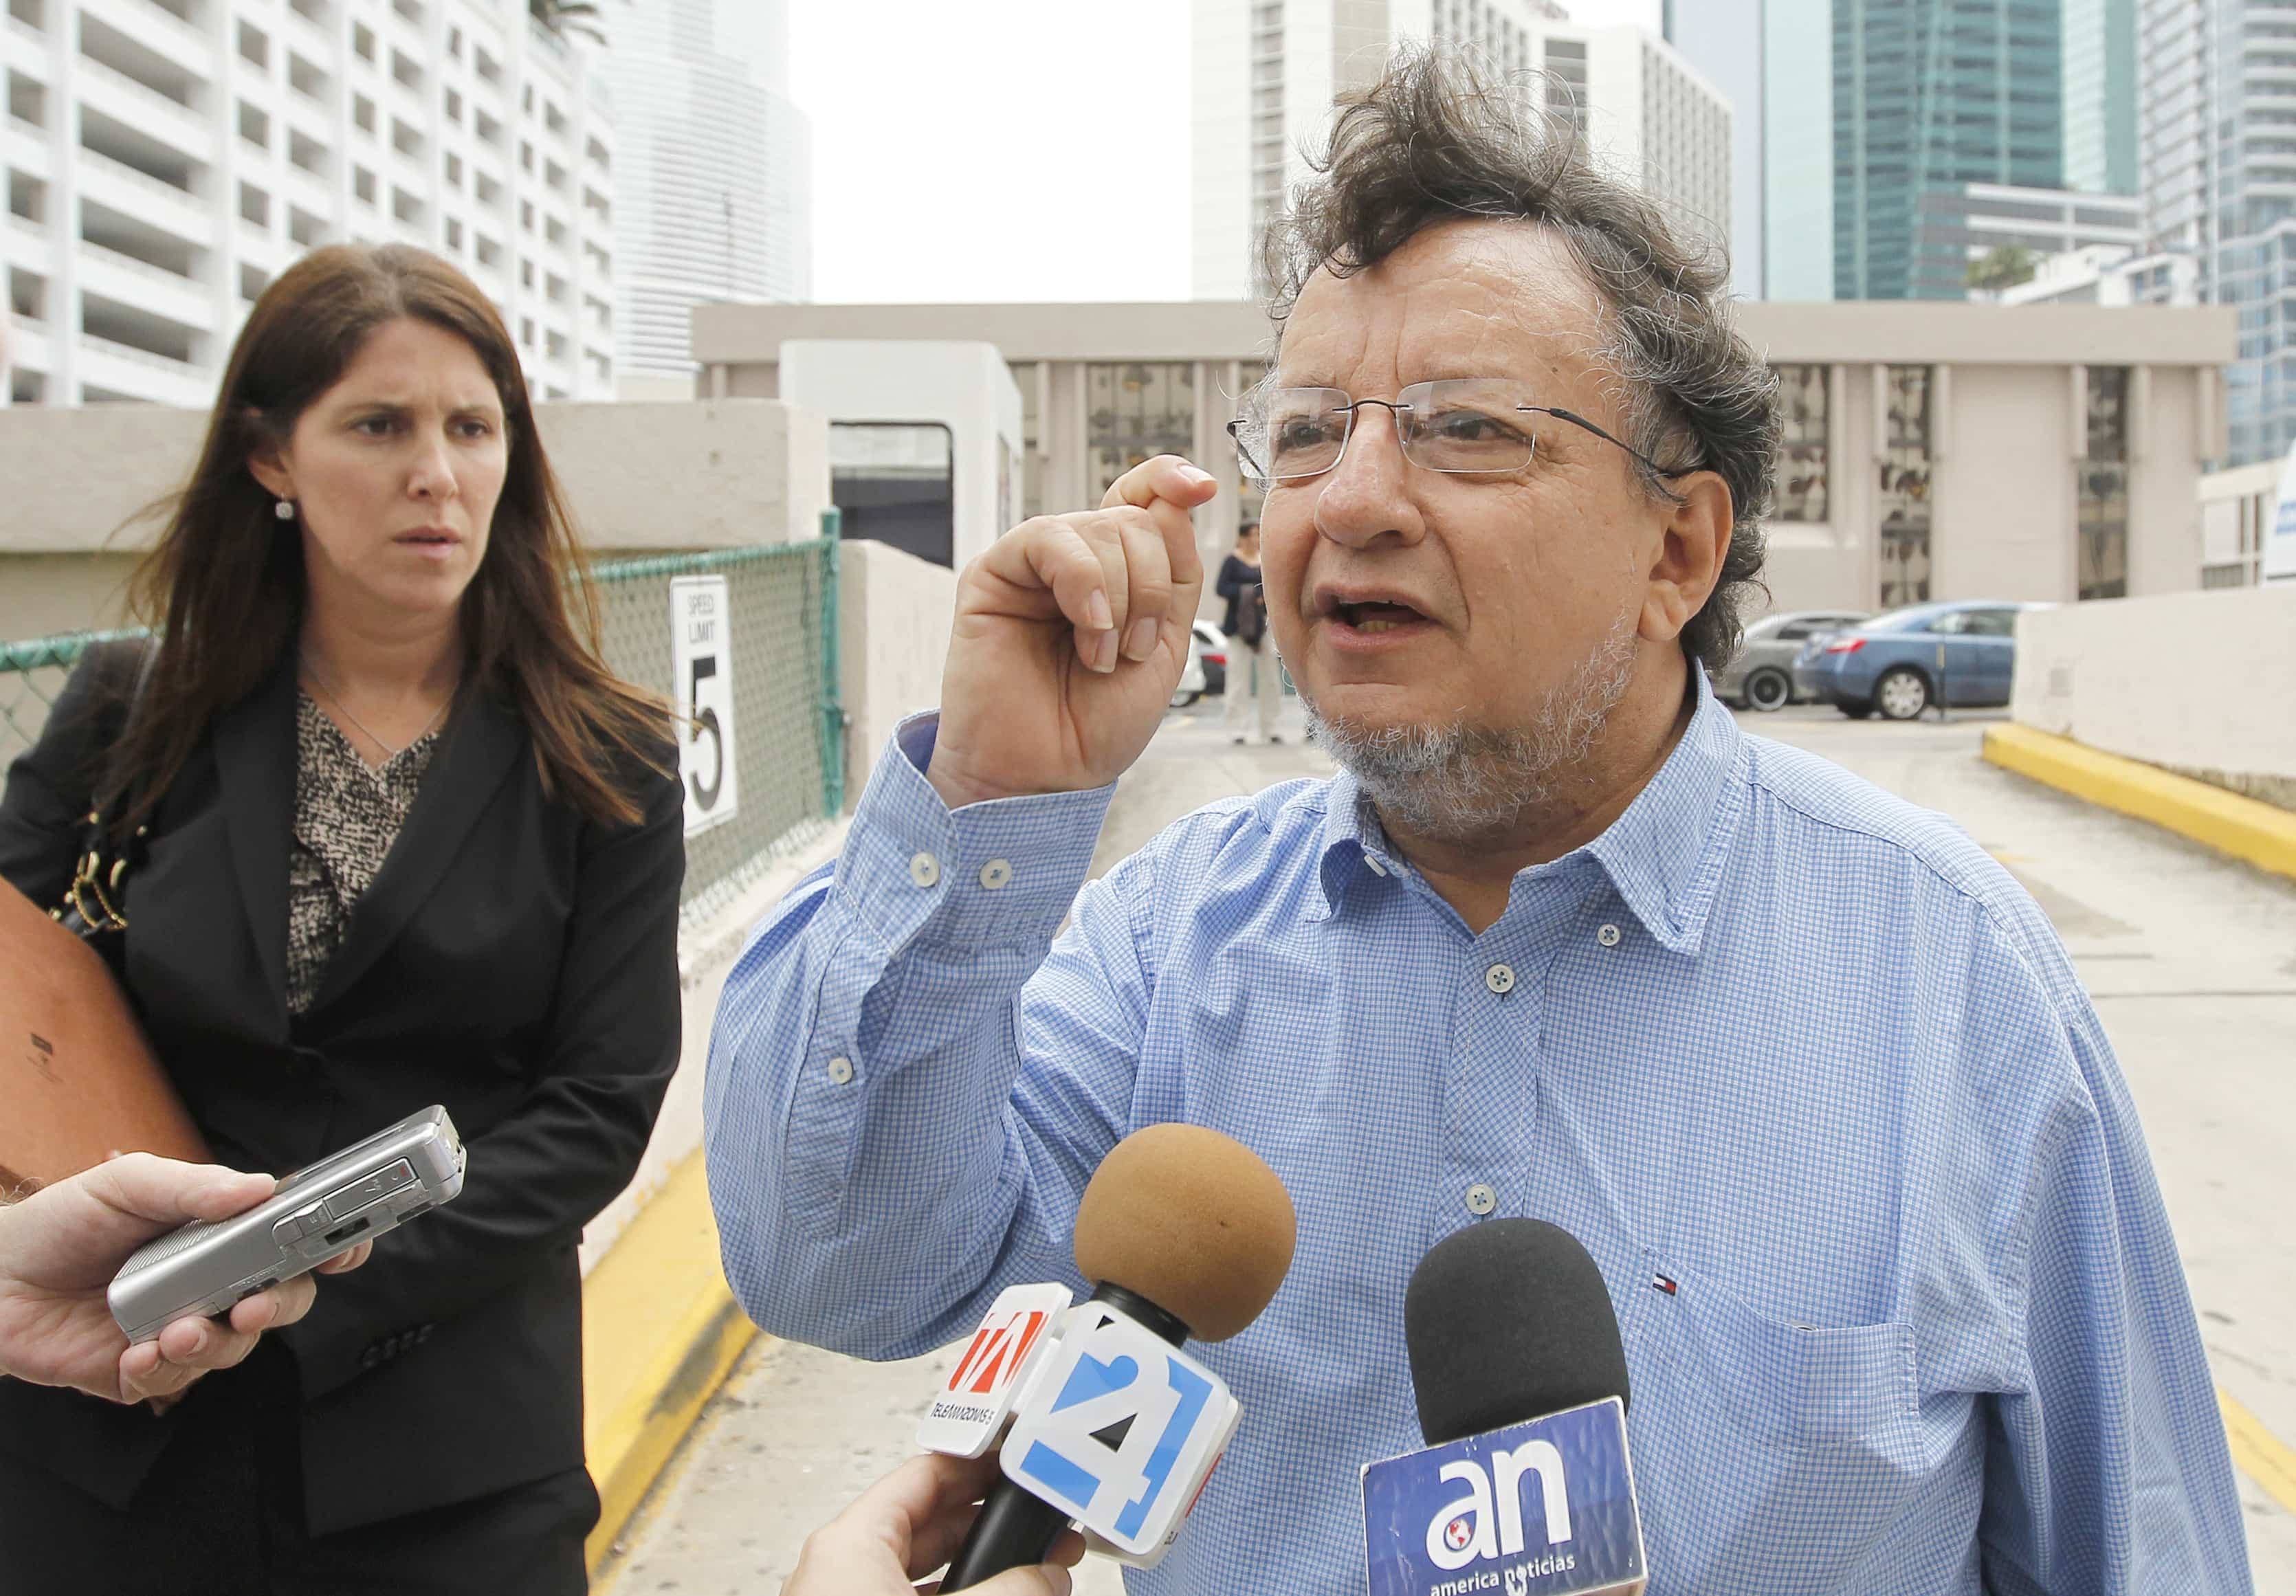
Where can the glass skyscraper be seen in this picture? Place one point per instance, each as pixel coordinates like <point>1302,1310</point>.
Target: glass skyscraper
<point>1930,94</point>
<point>2100,53</point>
<point>1879,113</point>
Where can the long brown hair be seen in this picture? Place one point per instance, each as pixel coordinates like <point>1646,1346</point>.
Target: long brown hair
<point>224,586</point>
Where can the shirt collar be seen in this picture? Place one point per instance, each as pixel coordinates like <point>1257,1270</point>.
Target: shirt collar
<point>1663,856</point>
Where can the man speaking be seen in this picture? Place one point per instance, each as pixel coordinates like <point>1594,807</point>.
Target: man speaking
<point>1807,1074</point>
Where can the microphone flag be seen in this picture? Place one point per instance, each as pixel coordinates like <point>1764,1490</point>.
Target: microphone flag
<point>1543,1507</point>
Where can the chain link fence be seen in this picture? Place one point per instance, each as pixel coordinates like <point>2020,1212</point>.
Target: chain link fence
<point>776,661</point>
<point>786,731</point>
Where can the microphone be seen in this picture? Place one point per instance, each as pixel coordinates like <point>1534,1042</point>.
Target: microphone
<point>1525,1484</point>
<point>1186,1233</point>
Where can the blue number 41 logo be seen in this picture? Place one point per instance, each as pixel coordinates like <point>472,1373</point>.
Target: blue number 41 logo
<point>1121,1428</point>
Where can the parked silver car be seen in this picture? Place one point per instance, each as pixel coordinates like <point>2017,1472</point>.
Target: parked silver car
<point>1762,676</point>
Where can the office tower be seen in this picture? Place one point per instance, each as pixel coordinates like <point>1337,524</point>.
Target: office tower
<point>1870,104</point>
<point>714,171</point>
<point>1265,73</point>
<point>1722,39</point>
<point>2100,80</point>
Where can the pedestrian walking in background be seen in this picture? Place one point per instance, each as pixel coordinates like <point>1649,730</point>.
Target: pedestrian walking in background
<point>1255,678</point>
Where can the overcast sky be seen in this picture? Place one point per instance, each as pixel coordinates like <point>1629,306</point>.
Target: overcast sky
<point>1024,149</point>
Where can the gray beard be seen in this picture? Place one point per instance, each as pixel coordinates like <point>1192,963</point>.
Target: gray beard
<point>1459,783</point>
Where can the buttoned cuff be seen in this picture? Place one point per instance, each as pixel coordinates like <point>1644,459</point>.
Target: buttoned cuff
<point>999,874</point>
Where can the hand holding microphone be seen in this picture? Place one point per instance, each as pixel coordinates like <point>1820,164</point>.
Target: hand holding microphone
<point>1525,1485</point>
<point>905,1527</point>
<point>1185,1232</point>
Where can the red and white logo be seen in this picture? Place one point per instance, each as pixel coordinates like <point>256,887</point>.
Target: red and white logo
<point>999,1347</point>
<point>969,1412</point>
<point>1457,1533</point>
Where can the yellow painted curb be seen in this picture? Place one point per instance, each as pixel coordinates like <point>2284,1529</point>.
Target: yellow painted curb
<point>661,1331</point>
<point>2258,1453</point>
<point>2246,828</point>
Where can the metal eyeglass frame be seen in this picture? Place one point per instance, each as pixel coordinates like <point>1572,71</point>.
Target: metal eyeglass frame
<point>1394,407</point>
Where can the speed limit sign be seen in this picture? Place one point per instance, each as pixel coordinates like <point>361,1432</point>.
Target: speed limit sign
<point>701,630</point>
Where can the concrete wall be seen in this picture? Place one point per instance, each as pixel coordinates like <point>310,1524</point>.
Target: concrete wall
<point>2196,683</point>
<point>893,623</point>
<point>894,619</point>
<point>893,615</point>
<point>2003,509</point>
<point>962,384</point>
<point>2004,504</point>
<point>2008,417</point>
<point>640,478</point>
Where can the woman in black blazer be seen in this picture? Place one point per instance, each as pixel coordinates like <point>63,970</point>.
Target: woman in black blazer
<point>406,842</point>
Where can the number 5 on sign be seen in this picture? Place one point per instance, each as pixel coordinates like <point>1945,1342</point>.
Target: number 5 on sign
<point>700,632</point>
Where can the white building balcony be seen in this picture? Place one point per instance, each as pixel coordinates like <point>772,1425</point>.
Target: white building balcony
<point>184,300</point>
<point>24,48</point>
<point>136,373</point>
<point>29,346</point>
<point>314,43</point>
<point>121,187</point>
<point>27,147</point>
<point>167,34</point>
<point>145,109</point>
<point>29,245</point>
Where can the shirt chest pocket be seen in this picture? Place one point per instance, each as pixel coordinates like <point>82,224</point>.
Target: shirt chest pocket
<point>1791,1386</point>
<point>1752,1435</point>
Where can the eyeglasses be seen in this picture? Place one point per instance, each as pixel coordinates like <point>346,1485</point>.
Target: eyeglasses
<point>1466,426</point>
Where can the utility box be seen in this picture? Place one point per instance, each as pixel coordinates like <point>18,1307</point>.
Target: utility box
<point>925,439</point>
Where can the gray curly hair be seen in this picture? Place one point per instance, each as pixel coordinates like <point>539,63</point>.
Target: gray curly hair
<point>1434,140</point>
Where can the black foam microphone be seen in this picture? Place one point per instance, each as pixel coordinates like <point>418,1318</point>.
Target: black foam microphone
<point>1522,1383</point>
<point>1504,1320</point>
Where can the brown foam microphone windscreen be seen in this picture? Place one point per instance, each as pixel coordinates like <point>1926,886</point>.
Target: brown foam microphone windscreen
<point>1191,1220</point>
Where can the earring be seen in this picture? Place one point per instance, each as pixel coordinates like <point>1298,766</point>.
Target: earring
<point>284,510</point>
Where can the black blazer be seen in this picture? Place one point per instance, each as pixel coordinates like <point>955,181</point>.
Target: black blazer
<point>512,961</point>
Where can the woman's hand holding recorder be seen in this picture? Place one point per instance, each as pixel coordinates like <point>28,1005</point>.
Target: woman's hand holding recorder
<point>61,1247</point>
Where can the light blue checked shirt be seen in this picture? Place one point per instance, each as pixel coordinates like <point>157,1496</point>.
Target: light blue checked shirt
<point>1777,1037</point>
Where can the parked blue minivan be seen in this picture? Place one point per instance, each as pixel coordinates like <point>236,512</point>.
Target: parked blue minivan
<point>1961,654</point>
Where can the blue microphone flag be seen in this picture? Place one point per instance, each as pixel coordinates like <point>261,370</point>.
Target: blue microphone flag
<point>1543,1507</point>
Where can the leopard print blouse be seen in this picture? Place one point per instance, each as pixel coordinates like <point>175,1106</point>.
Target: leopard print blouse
<point>347,816</point>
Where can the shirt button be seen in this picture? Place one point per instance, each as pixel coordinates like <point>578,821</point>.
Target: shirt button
<point>924,870</point>
<point>1499,978</point>
<point>995,873</point>
<point>1607,936</point>
<point>840,1070</point>
<point>1481,1199</point>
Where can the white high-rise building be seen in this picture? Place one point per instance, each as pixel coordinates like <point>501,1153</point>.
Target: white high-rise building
<point>715,171</point>
<point>1265,73</point>
<point>1723,39</point>
<point>2217,141</point>
<point>166,159</point>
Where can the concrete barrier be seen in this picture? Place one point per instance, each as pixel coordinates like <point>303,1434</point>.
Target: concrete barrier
<point>2198,684</point>
<point>2174,710</point>
<point>662,1328</point>
<point>641,479</point>
<point>893,622</point>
